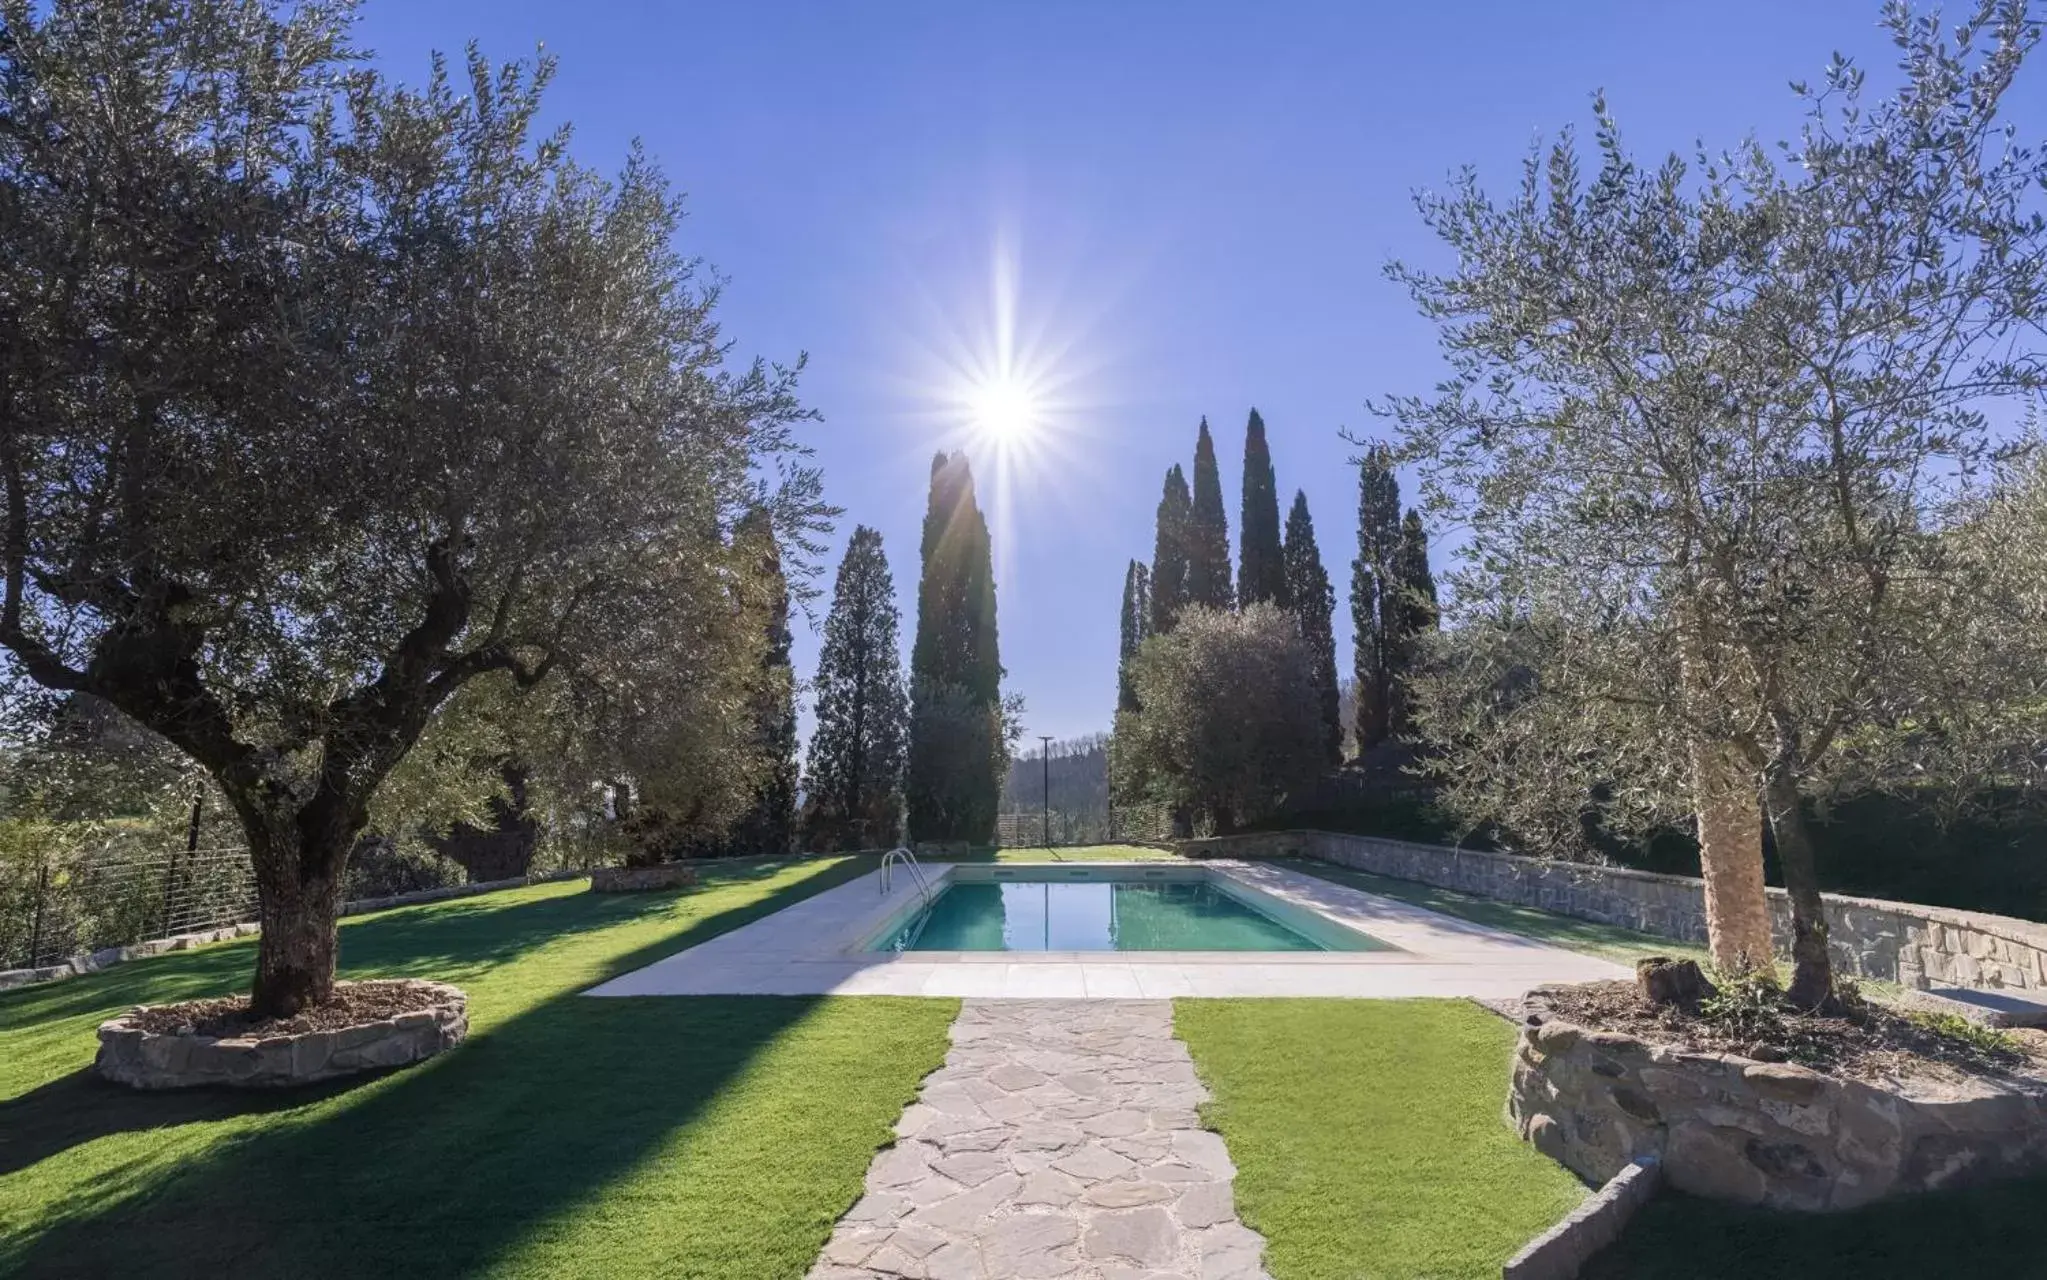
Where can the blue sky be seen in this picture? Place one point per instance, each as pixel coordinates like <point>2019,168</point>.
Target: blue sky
<point>1192,204</point>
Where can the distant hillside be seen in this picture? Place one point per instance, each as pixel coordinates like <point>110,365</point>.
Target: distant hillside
<point>1079,777</point>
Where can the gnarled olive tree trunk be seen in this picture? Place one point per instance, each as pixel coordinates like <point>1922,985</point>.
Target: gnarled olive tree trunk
<point>1731,857</point>
<point>300,854</point>
<point>1812,975</point>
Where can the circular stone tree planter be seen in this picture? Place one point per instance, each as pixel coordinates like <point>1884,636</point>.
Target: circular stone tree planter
<point>144,1059</point>
<point>1767,1133</point>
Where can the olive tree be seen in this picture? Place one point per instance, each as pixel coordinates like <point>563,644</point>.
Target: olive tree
<point>1229,721</point>
<point>1708,421</point>
<point>322,398</point>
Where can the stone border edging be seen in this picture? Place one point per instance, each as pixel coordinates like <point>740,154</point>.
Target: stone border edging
<point>157,1060</point>
<point>1562,1251</point>
<point>107,957</point>
<point>1912,944</point>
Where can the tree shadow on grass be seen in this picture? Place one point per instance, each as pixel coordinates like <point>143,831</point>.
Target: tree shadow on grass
<point>445,1169</point>
<point>1989,1230</point>
<point>445,1165</point>
<point>79,1108</point>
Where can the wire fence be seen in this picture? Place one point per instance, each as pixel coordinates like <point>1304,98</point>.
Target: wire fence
<point>1116,824</point>
<point>64,904</point>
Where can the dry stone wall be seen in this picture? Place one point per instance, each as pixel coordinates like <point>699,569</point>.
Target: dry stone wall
<point>1765,1133</point>
<point>150,1060</point>
<point>1913,945</point>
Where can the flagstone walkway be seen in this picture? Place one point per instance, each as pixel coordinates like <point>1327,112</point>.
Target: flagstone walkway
<point>1059,1140</point>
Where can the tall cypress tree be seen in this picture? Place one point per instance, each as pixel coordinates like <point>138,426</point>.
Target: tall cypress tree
<point>1414,611</point>
<point>953,785</point>
<point>1208,532</point>
<point>769,824</point>
<point>1313,603</point>
<point>1261,568</point>
<point>1169,553</point>
<point>1374,589</point>
<point>1136,625</point>
<point>853,782</point>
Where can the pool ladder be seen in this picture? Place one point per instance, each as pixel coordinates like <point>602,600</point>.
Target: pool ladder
<point>909,860</point>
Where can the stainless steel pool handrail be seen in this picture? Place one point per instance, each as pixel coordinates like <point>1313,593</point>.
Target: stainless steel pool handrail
<point>908,859</point>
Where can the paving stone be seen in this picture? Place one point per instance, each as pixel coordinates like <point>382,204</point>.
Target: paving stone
<point>1092,1164</point>
<point>1204,1149</point>
<point>1129,1193</point>
<point>974,1167</point>
<point>851,1248</point>
<point>1048,1186</point>
<point>900,1165</point>
<point>1116,1124</point>
<point>1060,1141</point>
<point>1026,1233</point>
<point>1014,1076</point>
<point>1205,1204</point>
<point>1138,1235</point>
<point>962,1213</point>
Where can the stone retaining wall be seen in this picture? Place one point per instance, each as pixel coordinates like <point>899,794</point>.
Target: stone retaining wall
<point>150,1060</point>
<point>1907,943</point>
<point>1766,1133</point>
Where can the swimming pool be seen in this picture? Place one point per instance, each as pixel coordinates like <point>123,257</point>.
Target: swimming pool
<point>1142,912</point>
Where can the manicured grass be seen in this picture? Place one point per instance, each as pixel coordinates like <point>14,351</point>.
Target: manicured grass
<point>1610,942</point>
<point>1063,853</point>
<point>1983,1231</point>
<point>569,1136</point>
<point>1368,1138</point>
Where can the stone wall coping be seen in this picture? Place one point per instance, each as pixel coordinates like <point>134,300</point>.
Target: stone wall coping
<point>1562,1251</point>
<point>106,957</point>
<point>2031,932</point>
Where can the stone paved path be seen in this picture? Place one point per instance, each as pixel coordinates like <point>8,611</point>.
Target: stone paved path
<point>1059,1140</point>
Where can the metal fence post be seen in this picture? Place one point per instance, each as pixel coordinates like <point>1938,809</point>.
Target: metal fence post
<point>170,883</point>
<point>35,931</point>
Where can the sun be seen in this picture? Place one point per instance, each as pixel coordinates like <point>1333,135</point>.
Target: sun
<point>1005,409</point>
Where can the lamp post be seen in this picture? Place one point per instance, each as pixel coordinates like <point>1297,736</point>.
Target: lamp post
<point>1046,751</point>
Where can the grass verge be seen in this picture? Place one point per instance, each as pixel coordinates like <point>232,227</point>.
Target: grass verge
<point>696,1137</point>
<point>1367,1135</point>
<point>1609,942</point>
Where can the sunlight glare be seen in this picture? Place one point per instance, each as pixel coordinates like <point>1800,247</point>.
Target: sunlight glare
<point>1004,409</point>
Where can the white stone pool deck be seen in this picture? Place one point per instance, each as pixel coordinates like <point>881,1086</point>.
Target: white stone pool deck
<point>811,948</point>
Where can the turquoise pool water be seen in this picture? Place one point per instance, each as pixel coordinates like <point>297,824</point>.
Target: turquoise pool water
<point>1104,916</point>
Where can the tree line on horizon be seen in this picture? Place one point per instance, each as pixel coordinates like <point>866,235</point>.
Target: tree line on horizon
<point>1283,598</point>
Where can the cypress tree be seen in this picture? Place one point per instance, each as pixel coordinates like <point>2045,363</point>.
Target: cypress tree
<point>1414,611</point>
<point>1208,534</point>
<point>1374,589</point>
<point>1169,554</point>
<point>769,824</point>
<point>1313,602</point>
<point>1136,625</point>
<point>853,781</point>
<point>953,785</point>
<point>1261,568</point>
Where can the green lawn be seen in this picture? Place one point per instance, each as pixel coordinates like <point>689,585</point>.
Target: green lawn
<point>568,1136</point>
<point>1368,1138</point>
<point>1064,853</point>
<point>1610,942</point>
